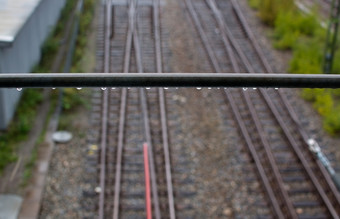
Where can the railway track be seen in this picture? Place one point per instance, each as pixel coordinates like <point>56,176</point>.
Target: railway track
<point>295,183</point>
<point>322,7</point>
<point>130,41</point>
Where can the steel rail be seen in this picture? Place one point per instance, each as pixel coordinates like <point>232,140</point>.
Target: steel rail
<point>287,203</point>
<point>163,112</point>
<point>105,100</point>
<point>147,129</point>
<point>288,106</point>
<point>284,98</point>
<point>292,114</point>
<point>265,180</point>
<point>298,152</point>
<point>202,35</point>
<point>273,166</point>
<point>122,115</point>
<point>226,33</point>
<point>53,80</point>
<point>227,44</point>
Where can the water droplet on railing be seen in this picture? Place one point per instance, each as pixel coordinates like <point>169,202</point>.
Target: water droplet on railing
<point>254,88</point>
<point>245,88</point>
<point>53,88</point>
<point>113,88</point>
<point>79,88</point>
<point>198,88</point>
<point>165,88</point>
<point>103,88</point>
<point>276,88</point>
<point>19,89</point>
<point>148,88</point>
<point>98,189</point>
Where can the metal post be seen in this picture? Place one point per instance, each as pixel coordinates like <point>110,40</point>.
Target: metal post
<point>331,38</point>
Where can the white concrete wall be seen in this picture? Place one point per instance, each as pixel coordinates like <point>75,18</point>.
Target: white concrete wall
<point>24,51</point>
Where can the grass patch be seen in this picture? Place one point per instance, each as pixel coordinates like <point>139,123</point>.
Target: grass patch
<point>268,10</point>
<point>85,21</point>
<point>72,101</point>
<point>20,126</point>
<point>307,57</point>
<point>73,98</point>
<point>26,110</point>
<point>29,166</point>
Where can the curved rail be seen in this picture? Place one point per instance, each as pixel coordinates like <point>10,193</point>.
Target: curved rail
<point>294,117</point>
<point>284,201</point>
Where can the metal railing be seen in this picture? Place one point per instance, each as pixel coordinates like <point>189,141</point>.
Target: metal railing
<point>169,80</point>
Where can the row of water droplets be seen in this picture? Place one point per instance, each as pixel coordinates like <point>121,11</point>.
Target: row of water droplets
<point>165,88</point>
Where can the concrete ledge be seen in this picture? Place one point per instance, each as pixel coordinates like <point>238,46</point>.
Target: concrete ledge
<point>10,206</point>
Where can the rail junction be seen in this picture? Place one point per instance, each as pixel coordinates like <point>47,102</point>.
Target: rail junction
<point>295,178</point>
<point>295,183</point>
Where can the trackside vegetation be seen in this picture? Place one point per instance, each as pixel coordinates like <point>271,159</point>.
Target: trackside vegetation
<point>51,45</point>
<point>19,127</point>
<point>304,36</point>
<point>25,114</point>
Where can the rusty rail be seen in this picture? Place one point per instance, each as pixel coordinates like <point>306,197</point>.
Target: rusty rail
<point>104,122</point>
<point>122,115</point>
<point>246,135</point>
<point>165,138</point>
<point>147,129</point>
<point>287,204</point>
<point>334,211</point>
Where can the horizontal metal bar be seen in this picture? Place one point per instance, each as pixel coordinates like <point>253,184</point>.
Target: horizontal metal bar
<point>169,80</point>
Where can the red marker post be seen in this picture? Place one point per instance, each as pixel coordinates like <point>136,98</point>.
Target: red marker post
<point>147,182</point>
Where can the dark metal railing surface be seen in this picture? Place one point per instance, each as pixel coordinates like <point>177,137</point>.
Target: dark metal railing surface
<point>169,80</point>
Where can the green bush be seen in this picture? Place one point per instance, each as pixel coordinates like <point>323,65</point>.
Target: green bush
<point>26,112</point>
<point>290,25</point>
<point>20,126</point>
<point>311,94</point>
<point>336,93</point>
<point>336,63</point>
<point>286,41</point>
<point>6,156</point>
<point>72,99</point>
<point>254,3</point>
<point>306,38</point>
<point>331,122</point>
<point>307,24</point>
<point>307,57</point>
<point>324,103</point>
<point>270,9</point>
